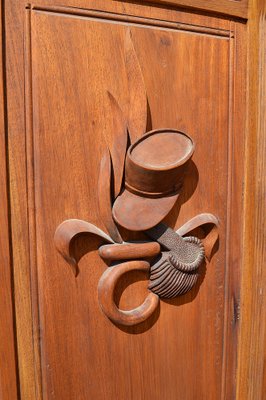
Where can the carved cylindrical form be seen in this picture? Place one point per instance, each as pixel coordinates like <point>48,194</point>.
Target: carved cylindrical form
<point>156,163</point>
<point>129,251</point>
<point>154,172</point>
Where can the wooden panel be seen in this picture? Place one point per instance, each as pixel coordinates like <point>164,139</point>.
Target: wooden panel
<point>237,8</point>
<point>251,363</point>
<point>81,352</point>
<point>15,85</point>
<point>8,368</point>
<point>25,293</point>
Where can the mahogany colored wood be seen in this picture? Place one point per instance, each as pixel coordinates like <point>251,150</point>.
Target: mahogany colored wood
<point>238,8</point>
<point>210,237</point>
<point>104,194</point>
<point>8,368</point>
<point>129,251</point>
<point>106,293</point>
<point>68,231</point>
<point>154,172</point>
<point>117,145</point>
<point>138,102</point>
<point>251,377</point>
<point>194,73</point>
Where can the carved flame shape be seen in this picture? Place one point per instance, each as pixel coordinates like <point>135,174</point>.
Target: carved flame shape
<point>137,113</point>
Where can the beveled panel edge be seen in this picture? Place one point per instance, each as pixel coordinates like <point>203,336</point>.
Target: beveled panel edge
<point>29,147</point>
<point>235,210</point>
<point>100,15</point>
<point>136,20</point>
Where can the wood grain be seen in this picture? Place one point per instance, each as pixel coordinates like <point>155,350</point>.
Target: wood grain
<point>69,231</point>
<point>235,8</point>
<point>187,68</point>
<point>137,107</point>
<point>8,368</point>
<point>117,144</point>
<point>105,196</point>
<point>129,251</point>
<point>70,43</point>
<point>238,8</point>
<point>106,295</point>
<point>251,375</point>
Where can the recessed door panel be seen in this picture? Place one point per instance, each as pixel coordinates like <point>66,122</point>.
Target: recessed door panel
<point>74,61</point>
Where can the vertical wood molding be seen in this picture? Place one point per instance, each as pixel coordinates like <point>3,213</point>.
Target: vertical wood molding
<point>252,347</point>
<point>31,204</point>
<point>14,42</point>
<point>8,373</point>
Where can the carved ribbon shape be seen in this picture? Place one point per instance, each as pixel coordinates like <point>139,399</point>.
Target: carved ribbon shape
<point>68,231</point>
<point>106,292</point>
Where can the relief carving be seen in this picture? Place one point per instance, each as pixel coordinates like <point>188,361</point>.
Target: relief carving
<point>138,187</point>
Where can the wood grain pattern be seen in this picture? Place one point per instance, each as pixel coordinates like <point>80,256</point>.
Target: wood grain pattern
<point>104,194</point>
<point>210,237</point>
<point>18,198</point>
<point>137,107</point>
<point>106,294</point>
<point>8,368</point>
<point>150,43</point>
<point>209,27</point>
<point>117,144</point>
<point>238,8</point>
<point>251,377</point>
<point>235,8</point>
<point>70,230</point>
<point>129,251</point>
<point>76,58</point>
<point>234,207</point>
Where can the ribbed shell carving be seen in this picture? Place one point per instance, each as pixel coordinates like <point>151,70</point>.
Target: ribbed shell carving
<point>171,276</point>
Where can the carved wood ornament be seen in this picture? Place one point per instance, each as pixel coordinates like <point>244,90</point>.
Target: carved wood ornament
<point>137,188</point>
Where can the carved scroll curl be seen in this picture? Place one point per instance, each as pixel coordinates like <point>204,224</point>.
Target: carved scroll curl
<point>106,291</point>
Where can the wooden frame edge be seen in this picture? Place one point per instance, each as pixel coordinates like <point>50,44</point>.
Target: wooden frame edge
<point>237,9</point>
<point>251,376</point>
<point>27,362</point>
<point>9,385</point>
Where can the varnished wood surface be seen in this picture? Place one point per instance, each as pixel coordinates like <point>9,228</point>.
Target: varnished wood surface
<point>251,363</point>
<point>190,69</point>
<point>8,367</point>
<point>107,294</point>
<point>15,78</point>
<point>238,8</point>
<point>129,251</point>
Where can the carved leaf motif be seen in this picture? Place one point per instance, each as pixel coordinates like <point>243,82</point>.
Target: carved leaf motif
<point>117,143</point>
<point>137,114</point>
<point>68,231</point>
<point>104,197</point>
